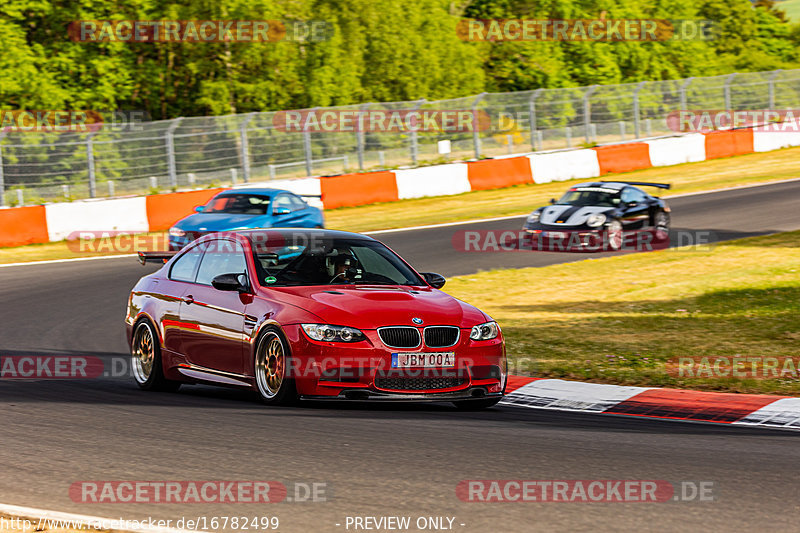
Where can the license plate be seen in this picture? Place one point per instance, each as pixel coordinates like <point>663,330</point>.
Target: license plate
<point>424,360</point>
<point>555,234</point>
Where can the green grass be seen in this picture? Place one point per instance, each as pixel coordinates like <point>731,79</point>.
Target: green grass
<point>626,319</point>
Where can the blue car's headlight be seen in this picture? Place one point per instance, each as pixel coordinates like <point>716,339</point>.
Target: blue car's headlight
<point>176,232</point>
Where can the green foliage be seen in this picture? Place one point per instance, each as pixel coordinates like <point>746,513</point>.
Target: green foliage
<point>379,50</point>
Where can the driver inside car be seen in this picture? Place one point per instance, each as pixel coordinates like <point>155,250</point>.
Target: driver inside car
<point>342,266</point>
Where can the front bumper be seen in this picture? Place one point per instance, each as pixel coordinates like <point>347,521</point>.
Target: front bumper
<point>363,370</point>
<point>357,395</point>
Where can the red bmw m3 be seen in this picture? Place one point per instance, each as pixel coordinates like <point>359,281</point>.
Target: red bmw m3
<point>309,314</point>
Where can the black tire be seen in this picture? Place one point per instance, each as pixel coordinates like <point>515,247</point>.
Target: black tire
<point>661,226</point>
<point>271,361</point>
<point>146,365</point>
<point>615,235</point>
<point>476,405</point>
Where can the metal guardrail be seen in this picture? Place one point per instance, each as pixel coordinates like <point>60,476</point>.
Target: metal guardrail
<point>201,151</point>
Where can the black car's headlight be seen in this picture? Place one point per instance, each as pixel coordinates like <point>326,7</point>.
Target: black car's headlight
<point>176,232</point>
<point>596,220</point>
<point>326,332</point>
<point>534,217</point>
<point>485,331</point>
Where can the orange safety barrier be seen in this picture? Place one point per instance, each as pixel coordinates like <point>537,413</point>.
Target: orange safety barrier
<point>358,189</point>
<point>623,157</point>
<point>729,143</point>
<point>499,173</point>
<point>23,225</point>
<point>164,210</point>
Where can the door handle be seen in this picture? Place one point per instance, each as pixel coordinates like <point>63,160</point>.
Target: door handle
<point>188,299</point>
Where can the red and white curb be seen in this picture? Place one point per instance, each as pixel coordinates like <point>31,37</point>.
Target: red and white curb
<point>759,410</point>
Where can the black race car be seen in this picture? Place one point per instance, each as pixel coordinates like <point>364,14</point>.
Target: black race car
<point>601,216</point>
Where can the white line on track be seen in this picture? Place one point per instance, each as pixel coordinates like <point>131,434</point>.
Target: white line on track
<point>40,516</point>
<point>428,226</point>
<point>71,260</point>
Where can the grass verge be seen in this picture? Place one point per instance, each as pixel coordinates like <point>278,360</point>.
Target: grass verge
<point>519,200</point>
<point>627,319</point>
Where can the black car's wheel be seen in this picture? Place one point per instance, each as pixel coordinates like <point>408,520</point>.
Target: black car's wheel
<point>272,357</point>
<point>146,360</point>
<point>661,226</point>
<point>476,405</point>
<point>614,234</point>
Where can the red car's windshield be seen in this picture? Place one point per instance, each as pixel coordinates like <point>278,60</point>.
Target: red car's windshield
<point>240,204</point>
<point>331,261</point>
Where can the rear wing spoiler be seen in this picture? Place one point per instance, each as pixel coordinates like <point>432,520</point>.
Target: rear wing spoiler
<point>155,257</point>
<point>648,184</point>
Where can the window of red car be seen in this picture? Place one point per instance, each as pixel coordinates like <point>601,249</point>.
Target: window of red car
<point>222,256</point>
<point>185,266</point>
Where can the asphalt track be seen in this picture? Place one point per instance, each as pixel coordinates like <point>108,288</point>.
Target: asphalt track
<point>377,460</point>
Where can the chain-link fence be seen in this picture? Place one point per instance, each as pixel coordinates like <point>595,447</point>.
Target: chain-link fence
<point>209,151</point>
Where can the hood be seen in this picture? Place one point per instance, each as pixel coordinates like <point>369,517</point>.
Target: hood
<point>570,215</point>
<point>370,307</point>
<point>218,221</point>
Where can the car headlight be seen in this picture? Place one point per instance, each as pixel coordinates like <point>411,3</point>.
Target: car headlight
<point>534,217</point>
<point>598,219</point>
<point>176,232</point>
<point>485,331</point>
<point>326,332</point>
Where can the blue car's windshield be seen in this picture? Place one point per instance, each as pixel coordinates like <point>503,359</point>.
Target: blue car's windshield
<point>239,204</point>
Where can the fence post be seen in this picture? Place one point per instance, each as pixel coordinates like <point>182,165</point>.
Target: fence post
<point>307,148</point>
<point>233,177</point>
<point>727,91</point>
<point>360,136</point>
<point>2,177</point>
<point>245,147</point>
<point>476,137</point>
<point>532,116</point>
<point>110,188</point>
<point>20,197</point>
<point>637,130</point>
<point>587,112</point>
<point>622,130</point>
<point>568,136</point>
<point>771,83</point>
<point>90,165</point>
<point>684,86</point>
<point>173,175</point>
<point>413,138</point>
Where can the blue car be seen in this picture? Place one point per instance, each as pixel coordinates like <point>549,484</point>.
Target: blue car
<point>246,209</point>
